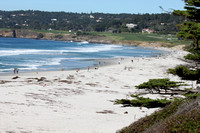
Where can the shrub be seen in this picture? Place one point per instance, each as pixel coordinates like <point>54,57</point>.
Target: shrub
<point>195,57</point>
<point>195,54</point>
<point>143,102</point>
<point>185,73</point>
<point>158,85</point>
<point>192,95</point>
<point>40,35</point>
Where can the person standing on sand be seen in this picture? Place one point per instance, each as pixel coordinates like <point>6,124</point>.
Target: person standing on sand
<point>17,70</point>
<point>77,70</point>
<point>88,68</point>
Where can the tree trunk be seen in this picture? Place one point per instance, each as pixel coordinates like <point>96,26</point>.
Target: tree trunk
<point>197,43</point>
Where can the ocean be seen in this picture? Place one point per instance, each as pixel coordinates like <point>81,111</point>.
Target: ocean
<point>44,55</point>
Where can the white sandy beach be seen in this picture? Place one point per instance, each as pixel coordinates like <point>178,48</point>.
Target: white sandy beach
<point>79,102</point>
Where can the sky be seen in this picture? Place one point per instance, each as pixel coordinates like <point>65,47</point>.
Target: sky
<point>88,6</point>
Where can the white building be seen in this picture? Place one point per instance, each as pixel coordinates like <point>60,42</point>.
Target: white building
<point>91,16</point>
<point>131,25</point>
<point>147,31</point>
<point>53,19</point>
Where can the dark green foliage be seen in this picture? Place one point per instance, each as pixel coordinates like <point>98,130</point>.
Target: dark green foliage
<point>158,85</point>
<point>143,102</point>
<point>192,95</point>
<point>40,35</point>
<point>88,22</point>
<point>192,10</point>
<point>191,28</point>
<point>190,31</point>
<point>59,36</point>
<point>195,54</point>
<point>185,73</point>
<point>195,57</point>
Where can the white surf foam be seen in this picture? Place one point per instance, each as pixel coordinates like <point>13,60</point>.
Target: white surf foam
<point>95,48</point>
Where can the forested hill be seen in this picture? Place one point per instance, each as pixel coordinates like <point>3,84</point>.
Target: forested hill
<point>164,23</point>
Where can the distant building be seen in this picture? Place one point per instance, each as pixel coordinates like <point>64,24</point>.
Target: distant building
<point>24,24</point>
<point>162,23</point>
<point>98,20</point>
<point>13,15</point>
<point>22,15</point>
<point>131,25</point>
<point>91,16</point>
<point>147,31</point>
<point>1,17</point>
<point>53,19</point>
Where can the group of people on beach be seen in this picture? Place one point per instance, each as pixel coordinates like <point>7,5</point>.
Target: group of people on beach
<point>101,63</point>
<point>16,70</point>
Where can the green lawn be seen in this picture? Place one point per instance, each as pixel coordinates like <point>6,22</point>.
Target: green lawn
<point>153,37</point>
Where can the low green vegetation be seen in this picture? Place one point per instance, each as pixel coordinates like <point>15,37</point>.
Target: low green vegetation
<point>185,73</point>
<point>153,85</point>
<point>53,31</point>
<point>191,95</point>
<point>143,102</point>
<point>194,55</point>
<point>188,122</point>
<point>153,37</point>
<point>158,85</point>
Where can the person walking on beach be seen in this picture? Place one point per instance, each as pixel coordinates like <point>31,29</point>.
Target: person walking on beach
<point>14,70</point>
<point>88,68</point>
<point>17,70</point>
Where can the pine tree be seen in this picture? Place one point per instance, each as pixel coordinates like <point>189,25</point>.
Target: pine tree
<point>190,29</point>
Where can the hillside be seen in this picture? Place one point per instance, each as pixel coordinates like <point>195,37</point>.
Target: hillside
<point>100,22</point>
<point>183,115</point>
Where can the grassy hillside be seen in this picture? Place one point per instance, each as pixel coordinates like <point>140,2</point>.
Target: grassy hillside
<point>153,37</point>
<point>183,115</point>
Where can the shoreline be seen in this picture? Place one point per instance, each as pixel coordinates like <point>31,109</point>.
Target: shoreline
<point>95,61</point>
<point>105,62</point>
<point>70,101</point>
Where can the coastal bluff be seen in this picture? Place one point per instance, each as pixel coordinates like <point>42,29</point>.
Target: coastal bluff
<point>100,39</point>
<point>23,33</point>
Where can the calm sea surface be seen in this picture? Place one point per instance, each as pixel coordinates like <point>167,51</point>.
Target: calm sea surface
<point>42,55</point>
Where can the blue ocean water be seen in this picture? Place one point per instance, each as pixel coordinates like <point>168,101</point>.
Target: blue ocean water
<point>41,55</point>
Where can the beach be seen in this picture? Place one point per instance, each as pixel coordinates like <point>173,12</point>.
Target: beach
<point>81,101</point>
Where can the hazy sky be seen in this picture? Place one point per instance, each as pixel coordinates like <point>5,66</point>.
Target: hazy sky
<point>86,6</point>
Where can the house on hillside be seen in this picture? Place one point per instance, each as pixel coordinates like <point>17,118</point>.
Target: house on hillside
<point>147,31</point>
<point>92,17</point>
<point>53,19</point>
<point>131,25</point>
<point>1,17</point>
